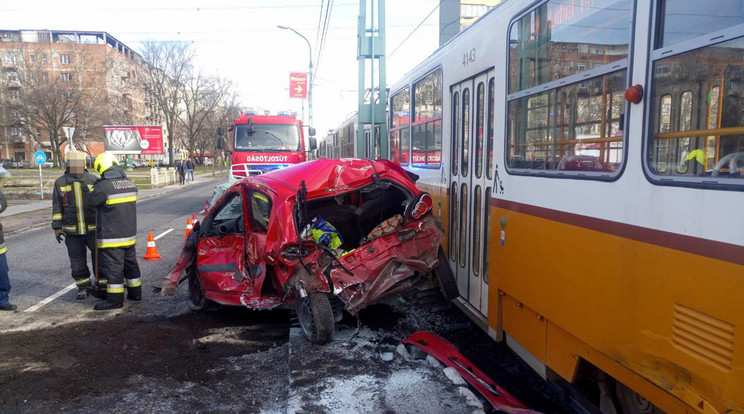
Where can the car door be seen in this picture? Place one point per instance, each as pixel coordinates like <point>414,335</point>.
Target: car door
<point>221,247</point>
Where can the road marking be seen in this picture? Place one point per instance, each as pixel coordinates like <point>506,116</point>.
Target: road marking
<point>163,233</point>
<point>51,298</point>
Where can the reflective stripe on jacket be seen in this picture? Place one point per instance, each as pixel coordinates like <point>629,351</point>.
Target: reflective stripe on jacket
<point>115,197</point>
<point>71,210</point>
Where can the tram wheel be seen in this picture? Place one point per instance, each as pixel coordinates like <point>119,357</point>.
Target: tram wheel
<point>633,403</point>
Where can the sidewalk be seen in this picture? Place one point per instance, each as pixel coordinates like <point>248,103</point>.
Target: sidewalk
<point>23,215</point>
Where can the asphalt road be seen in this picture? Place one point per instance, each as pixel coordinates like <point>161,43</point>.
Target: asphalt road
<point>40,267</point>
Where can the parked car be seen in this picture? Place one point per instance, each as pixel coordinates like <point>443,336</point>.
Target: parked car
<point>48,164</point>
<point>19,164</point>
<point>320,236</point>
<point>137,163</point>
<point>5,163</point>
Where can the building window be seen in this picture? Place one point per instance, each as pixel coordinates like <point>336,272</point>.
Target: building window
<point>38,132</point>
<point>64,59</point>
<point>12,76</point>
<point>66,77</point>
<point>43,58</point>
<point>14,94</point>
<point>45,76</point>
<point>16,114</point>
<point>67,95</point>
<point>32,58</point>
<point>14,132</point>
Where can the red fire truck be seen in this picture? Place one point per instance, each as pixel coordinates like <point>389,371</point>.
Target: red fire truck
<point>263,143</point>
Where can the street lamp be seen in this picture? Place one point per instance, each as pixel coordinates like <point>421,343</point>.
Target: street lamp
<point>310,75</point>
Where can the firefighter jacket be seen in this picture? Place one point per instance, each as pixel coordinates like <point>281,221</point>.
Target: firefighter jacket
<point>115,197</point>
<point>71,210</point>
<point>3,206</point>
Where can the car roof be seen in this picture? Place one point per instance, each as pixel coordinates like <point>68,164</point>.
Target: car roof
<point>326,177</point>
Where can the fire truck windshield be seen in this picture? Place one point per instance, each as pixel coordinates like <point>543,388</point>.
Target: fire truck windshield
<point>267,137</point>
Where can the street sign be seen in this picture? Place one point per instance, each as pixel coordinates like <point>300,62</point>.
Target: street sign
<point>40,157</point>
<point>298,85</point>
<point>69,132</point>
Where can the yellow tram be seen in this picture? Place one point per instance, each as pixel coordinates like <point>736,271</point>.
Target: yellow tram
<point>587,158</point>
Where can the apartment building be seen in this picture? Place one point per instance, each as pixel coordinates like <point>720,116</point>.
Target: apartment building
<point>53,78</point>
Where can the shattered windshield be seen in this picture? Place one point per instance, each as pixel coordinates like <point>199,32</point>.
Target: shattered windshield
<point>267,137</point>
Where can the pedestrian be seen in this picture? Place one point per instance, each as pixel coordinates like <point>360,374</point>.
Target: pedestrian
<point>181,169</point>
<point>74,220</point>
<point>190,167</point>
<point>115,197</point>
<point>5,304</point>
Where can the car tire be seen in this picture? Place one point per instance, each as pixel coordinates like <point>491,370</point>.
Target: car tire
<point>197,301</point>
<point>315,315</point>
<point>445,278</point>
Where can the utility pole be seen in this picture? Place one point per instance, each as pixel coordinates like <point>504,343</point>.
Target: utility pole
<point>371,50</point>
<point>309,76</point>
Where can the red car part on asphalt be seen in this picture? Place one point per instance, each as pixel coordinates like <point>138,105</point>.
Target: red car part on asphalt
<point>444,351</point>
<point>249,250</point>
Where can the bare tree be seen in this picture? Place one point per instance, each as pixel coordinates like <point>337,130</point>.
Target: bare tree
<point>50,98</point>
<point>170,65</point>
<point>222,116</point>
<point>202,95</point>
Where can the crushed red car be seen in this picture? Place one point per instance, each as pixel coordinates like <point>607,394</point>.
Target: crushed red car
<point>322,236</point>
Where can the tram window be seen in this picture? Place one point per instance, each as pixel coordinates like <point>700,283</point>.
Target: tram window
<point>455,130</point>
<point>665,124</point>
<point>685,123</point>
<point>399,127</point>
<point>463,224</point>
<point>453,223</point>
<point>561,38</point>
<point>682,19</point>
<point>465,138</point>
<point>570,128</point>
<point>479,121</point>
<point>476,230</point>
<point>426,142</point>
<point>703,88</point>
<point>490,136</point>
<point>486,241</point>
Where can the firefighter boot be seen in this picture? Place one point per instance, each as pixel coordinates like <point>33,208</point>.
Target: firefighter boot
<point>82,293</point>
<point>106,305</point>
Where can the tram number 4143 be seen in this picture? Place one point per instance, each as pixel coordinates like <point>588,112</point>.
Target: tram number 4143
<point>468,57</point>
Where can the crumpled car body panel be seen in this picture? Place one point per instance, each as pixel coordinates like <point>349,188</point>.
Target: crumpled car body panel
<point>250,269</point>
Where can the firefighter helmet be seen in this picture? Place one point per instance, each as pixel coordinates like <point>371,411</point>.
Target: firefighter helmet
<point>104,161</point>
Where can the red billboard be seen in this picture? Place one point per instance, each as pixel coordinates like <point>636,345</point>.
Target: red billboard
<point>298,85</point>
<point>133,139</point>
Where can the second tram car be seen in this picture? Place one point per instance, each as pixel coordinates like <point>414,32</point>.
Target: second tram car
<point>594,225</point>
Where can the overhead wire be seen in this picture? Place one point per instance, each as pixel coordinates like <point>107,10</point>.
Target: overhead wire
<point>414,30</point>
<point>323,37</point>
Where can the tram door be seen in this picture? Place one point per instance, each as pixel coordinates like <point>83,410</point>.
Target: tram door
<point>468,200</point>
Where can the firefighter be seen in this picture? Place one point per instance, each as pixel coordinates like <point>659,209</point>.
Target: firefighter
<point>5,304</point>
<point>74,220</point>
<point>115,197</point>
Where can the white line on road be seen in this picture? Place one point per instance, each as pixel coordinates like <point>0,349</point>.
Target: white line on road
<point>163,233</point>
<point>51,298</point>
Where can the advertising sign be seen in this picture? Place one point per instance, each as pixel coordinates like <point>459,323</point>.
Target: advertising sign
<point>130,139</point>
<point>298,85</point>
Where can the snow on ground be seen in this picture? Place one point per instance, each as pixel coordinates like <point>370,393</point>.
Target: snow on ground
<point>349,376</point>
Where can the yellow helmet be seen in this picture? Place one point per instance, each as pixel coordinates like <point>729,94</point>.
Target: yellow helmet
<point>104,161</point>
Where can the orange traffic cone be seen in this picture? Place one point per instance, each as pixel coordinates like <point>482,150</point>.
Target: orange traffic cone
<point>152,251</point>
<point>194,220</point>
<point>189,226</point>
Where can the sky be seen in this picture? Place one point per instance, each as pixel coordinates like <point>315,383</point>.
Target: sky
<point>240,40</point>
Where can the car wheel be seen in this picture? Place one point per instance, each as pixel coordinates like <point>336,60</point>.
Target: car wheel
<point>197,301</point>
<point>315,315</point>
<point>445,278</point>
